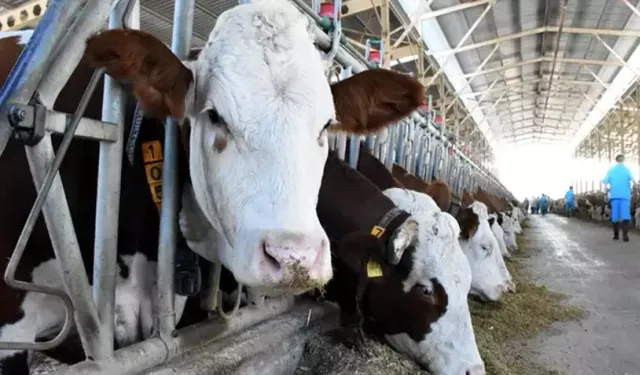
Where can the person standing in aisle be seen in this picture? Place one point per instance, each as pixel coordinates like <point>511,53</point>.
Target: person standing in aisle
<point>569,204</point>
<point>619,180</point>
<point>542,203</point>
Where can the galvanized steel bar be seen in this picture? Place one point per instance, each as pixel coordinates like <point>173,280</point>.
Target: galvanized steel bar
<point>180,45</point>
<point>108,199</point>
<point>51,200</point>
<point>140,357</point>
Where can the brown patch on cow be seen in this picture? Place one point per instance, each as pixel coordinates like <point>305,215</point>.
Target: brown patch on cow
<point>10,49</point>
<point>159,79</point>
<point>441,194</point>
<point>467,198</point>
<point>369,101</point>
<point>468,221</point>
<point>487,199</point>
<point>374,170</point>
<point>408,180</point>
<point>392,311</point>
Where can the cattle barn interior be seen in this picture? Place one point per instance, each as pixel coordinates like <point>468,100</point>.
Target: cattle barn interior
<point>320,187</point>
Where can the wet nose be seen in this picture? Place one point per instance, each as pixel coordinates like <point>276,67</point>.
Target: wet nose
<point>475,370</point>
<point>296,258</point>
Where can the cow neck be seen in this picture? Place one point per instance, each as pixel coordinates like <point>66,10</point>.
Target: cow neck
<point>389,223</point>
<point>145,150</point>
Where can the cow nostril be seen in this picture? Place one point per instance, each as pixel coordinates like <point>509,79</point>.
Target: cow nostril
<point>468,372</point>
<point>270,258</point>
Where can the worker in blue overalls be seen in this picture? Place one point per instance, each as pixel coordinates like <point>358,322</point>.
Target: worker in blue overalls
<point>542,203</point>
<point>569,204</point>
<point>619,179</point>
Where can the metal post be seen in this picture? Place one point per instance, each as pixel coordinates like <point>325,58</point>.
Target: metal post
<point>108,199</point>
<point>180,45</point>
<point>70,22</point>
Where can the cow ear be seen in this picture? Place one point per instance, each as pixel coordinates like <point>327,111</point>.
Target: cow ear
<point>369,101</point>
<point>468,221</point>
<point>160,80</point>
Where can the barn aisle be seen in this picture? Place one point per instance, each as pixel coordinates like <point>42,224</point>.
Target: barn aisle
<point>581,260</point>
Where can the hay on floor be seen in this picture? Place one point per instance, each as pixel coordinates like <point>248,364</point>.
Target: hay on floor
<point>501,328</point>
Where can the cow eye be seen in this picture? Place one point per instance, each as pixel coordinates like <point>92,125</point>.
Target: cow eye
<point>485,248</point>
<point>214,117</point>
<point>327,125</point>
<point>426,291</point>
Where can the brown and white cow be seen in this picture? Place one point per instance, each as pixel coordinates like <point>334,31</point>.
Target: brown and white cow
<point>420,304</point>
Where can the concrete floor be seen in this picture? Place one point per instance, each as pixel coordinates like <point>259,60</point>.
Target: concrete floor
<point>581,260</point>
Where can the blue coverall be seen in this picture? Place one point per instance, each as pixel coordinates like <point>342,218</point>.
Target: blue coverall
<point>619,180</point>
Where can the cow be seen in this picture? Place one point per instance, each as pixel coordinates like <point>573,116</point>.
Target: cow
<point>489,273</point>
<point>495,222</point>
<point>509,228</point>
<point>254,171</point>
<point>438,247</point>
<point>417,303</point>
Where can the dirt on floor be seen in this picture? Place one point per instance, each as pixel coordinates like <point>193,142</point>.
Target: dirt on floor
<point>501,330</point>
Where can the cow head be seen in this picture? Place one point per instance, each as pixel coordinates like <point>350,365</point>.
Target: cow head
<point>495,222</point>
<point>509,230</point>
<point>483,253</point>
<point>438,276</point>
<point>259,108</point>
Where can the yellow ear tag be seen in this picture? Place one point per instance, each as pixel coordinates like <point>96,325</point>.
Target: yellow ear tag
<point>373,269</point>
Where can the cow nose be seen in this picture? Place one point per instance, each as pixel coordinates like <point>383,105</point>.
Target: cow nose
<point>296,259</point>
<point>476,370</point>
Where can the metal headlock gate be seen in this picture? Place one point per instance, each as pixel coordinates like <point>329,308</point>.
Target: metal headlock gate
<point>53,52</point>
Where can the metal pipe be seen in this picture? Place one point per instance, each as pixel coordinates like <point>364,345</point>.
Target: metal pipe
<point>555,57</point>
<point>140,357</point>
<point>167,243</point>
<point>51,200</point>
<point>34,59</point>
<point>67,56</point>
<point>311,13</point>
<point>108,199</point>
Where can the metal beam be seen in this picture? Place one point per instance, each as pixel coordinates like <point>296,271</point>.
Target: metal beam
<point>455,8</point>
<point>420,9</point>
<point>461,42</point>
<point>536,60</point>
<point>617,56</point>
<point>533,81</point>
<point>478,69</point>
<point>354,7</point>
<point>539,30</point>
<point>404,51</point>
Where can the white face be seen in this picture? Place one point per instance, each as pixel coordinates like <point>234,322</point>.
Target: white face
<point>258,145</point>
<point>509,232</point>
<point>483,253</point>
<point>450,348</point>
<point>499,233</point>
